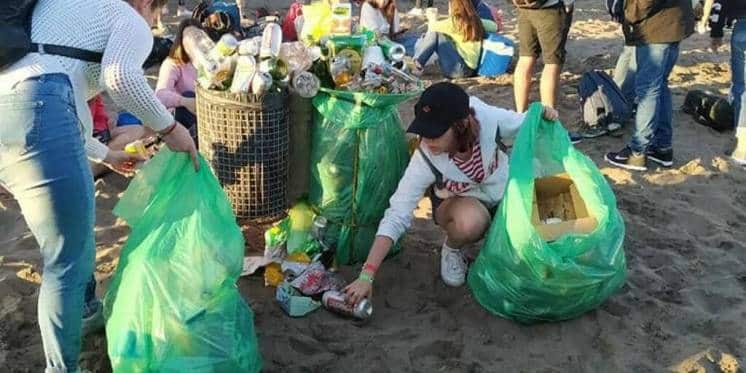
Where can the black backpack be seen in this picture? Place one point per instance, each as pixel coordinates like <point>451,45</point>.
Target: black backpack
<point>709,110</point>
<point>529,4</point>
<point>15,36</point>
<point>602,103</point>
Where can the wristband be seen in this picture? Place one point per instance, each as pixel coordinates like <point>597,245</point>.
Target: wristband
<point>167,131</point>
<point>365,277</point>
<point>370,268</point>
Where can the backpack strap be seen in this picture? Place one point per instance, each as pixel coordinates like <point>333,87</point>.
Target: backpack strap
<point>71,52</point>
<point>499,141</point>
<point>438,175</point>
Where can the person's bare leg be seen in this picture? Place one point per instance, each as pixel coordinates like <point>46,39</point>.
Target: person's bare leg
<point>522,82</point>
<point>464,219</point>
<point>549,81</point>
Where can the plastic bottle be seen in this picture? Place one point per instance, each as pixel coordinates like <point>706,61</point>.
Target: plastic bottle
<point>198,46</point>
<point>301,223</point>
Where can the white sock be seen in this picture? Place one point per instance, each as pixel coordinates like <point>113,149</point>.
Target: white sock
<point>448,248</point>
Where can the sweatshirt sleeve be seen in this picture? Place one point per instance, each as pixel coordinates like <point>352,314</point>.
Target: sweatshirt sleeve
<point>165,89</point>
<point>509,122</point>
<point>412,186</point>
<point>122,75</point>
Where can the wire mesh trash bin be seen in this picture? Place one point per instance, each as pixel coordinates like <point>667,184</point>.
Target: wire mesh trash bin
<point>245,139</point>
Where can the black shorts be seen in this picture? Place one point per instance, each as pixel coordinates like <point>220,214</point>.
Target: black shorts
<point>543,32</point>
<point>435,201</point>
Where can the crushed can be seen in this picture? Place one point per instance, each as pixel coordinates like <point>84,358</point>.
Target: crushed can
<point>305,84</point>
<point>336,301</point>
<point>261,83</point>
<point>316,279</point>
<point>393,50</point>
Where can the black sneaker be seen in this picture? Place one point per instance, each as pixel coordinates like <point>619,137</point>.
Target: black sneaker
<point>575,137</point>
<point>661,157</point>
<point>627,159</point>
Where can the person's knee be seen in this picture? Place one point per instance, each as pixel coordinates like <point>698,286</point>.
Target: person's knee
<point>468,224</point>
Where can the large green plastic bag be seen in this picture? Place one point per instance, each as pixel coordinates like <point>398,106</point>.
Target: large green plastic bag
<point>518,275</point>
<point>359,153</point>
<point>173,305</point>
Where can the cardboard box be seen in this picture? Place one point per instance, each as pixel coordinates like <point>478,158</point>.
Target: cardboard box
<point>556,197</point>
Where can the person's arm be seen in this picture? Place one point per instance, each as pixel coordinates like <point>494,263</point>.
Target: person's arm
<point>165,89</point>
<point>122,76</point>
<point>397,219</point>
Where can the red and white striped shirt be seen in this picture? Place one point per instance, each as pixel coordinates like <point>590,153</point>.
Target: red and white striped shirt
<point>473,168</point>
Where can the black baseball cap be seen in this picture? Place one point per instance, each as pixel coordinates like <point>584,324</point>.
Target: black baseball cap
<point>438,108</point>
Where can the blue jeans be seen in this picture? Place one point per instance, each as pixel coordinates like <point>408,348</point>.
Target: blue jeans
<point>653,122</point>
<point>452,65</point>
<point>43,164</point>
<point>738,68</point>
<point>624,73</point>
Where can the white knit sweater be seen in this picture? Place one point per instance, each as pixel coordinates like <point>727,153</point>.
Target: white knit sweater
<point>111,26</point>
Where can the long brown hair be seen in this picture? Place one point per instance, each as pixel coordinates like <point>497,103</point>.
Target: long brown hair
<point>466,20</point>
<point>177,52</point>
<point>388,8</point>
<point>467,132</point>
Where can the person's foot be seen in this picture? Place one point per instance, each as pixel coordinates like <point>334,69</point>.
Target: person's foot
<point>627,159</point>
<point>453,266</point>
<point>93,317</point>
<point>575,137</point>
<point>661,157</point>
<point>417,12</point>
<point>737,148</point>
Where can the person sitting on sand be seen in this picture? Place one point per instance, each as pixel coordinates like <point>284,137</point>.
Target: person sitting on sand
<point>460,165</point>
<point>733,10</point>
<point>382,17</point>
<point>46,136</point>
<point>176,79</point>
<point>457,41</point>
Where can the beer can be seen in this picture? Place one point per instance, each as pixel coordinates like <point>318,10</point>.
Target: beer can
<point>261,83</point>
<point>243,75</point>
<point>335,301</point>
<point>393,50</point>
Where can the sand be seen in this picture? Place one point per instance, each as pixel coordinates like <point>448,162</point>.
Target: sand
<point>682,309</point>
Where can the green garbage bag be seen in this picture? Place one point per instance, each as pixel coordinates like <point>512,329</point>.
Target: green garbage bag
<point>173,305</point>
<point>359,153</point>
<point>517,274</point>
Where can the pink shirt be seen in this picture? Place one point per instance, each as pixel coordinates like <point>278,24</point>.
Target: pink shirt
<point>173,81</point>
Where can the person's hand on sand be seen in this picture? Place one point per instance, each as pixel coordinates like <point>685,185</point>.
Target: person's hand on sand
<point>358,290</point>
<point>550,113</point>
<point>179,140</point>
<point>715,44</point>
<point>122,162</point>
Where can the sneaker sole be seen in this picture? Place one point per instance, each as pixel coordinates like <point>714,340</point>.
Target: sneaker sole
<point>625,166</point>
<point>739,162</point>
<point>660,161</point>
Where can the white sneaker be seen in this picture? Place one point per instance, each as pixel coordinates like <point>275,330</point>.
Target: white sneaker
<point>417,12</point>
<point>453,266</point>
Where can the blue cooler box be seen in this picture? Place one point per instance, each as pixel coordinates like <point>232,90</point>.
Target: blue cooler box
<point>497,53</point>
